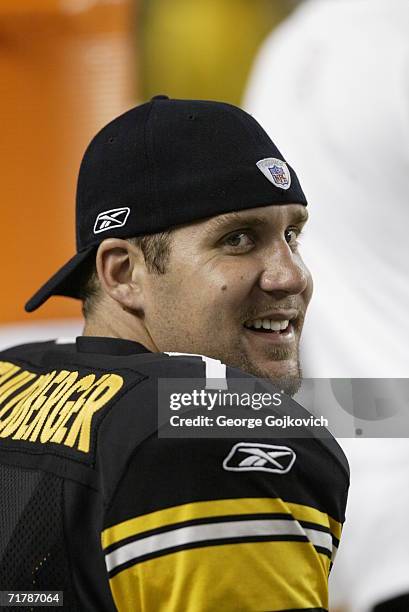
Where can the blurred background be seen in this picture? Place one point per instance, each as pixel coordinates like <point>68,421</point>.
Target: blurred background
<point>66,68</point>
<point>329,80</point>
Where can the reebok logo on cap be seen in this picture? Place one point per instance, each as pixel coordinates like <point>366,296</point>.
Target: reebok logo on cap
<point>276,171</point>
<point>109,219</point>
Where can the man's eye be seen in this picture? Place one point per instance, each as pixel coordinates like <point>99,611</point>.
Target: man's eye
<point>291,236</point>
<point>239,240</point>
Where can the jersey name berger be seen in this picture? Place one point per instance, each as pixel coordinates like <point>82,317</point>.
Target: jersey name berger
<point>56,406</point>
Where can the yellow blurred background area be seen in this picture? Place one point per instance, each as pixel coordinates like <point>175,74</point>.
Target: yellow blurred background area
<point>67,67</point>
<point>203,48</point>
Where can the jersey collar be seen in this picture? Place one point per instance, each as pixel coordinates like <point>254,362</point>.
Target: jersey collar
<point>109,346</point>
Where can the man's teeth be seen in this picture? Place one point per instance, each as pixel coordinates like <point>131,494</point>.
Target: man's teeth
<point>267,324</point>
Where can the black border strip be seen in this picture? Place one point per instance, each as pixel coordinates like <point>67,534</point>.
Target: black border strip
<point>48,462</point>
<point>316,526</point>
<point>297,610</point>
<point>323,551</point>
<point>335,541</point>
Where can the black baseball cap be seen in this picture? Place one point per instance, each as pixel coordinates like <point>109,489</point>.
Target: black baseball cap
<point>165,163</point>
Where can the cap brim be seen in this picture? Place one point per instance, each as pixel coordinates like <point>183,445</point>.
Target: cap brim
<point>64,282</point>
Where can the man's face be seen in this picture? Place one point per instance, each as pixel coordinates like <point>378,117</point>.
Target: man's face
<point>235,289</point>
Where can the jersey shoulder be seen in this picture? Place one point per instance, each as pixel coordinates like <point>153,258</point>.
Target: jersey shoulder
<point>78,406</point>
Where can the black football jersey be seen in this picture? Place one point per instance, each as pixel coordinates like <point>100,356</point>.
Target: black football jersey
<point>95,504</point>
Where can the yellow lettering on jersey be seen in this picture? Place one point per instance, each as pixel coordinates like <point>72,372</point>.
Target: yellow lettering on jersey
<point>9,387</point>
<point>71,408</point>
<point>105,390</point>
<point>4,395</point>
<point>54,419</point>
<point>7,369</point>
<point>39,407</point>
<point>69,387</point>
<point>22,405</point>
<point>44,403</point>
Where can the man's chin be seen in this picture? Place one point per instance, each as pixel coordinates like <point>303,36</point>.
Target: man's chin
<point>290,385</point>
<point>283,371</point>
<point>286,376</point>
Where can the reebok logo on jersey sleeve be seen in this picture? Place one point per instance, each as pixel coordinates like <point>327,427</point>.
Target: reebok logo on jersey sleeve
<point>248,456</point>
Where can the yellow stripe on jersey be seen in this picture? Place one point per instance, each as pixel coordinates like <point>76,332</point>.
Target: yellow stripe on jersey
<point>230,578</point>
<point>223,507</point>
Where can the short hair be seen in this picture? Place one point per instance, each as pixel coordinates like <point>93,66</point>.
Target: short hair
<point>156,251</point>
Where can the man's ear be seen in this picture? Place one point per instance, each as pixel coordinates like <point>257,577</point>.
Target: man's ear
<point>120,267</point>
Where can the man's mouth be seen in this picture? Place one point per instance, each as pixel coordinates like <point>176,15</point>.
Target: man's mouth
<point>278,329</point>
<point>268,325</point>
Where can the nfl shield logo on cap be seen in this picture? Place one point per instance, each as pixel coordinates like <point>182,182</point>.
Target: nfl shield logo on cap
<point>276,171</point>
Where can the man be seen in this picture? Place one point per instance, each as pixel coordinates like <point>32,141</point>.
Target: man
<point>187,225</point>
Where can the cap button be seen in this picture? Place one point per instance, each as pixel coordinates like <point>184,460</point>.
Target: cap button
<point>160,97</point>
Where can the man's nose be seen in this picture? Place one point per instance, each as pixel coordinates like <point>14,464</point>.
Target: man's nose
<point>284,272</point>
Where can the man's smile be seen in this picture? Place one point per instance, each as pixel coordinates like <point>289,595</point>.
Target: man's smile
<point>276,327</point>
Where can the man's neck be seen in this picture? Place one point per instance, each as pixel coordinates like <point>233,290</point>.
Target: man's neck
<point>118,328</point>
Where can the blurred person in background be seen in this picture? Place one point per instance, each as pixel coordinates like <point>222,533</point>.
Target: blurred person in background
<point>332,83</point>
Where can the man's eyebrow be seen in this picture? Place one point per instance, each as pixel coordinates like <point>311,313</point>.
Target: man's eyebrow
<point>234,218</point>
<point>300,216</point>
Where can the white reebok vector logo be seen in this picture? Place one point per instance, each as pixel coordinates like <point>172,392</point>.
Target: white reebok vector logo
<point>110,219</point>
<point>247,456</point>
